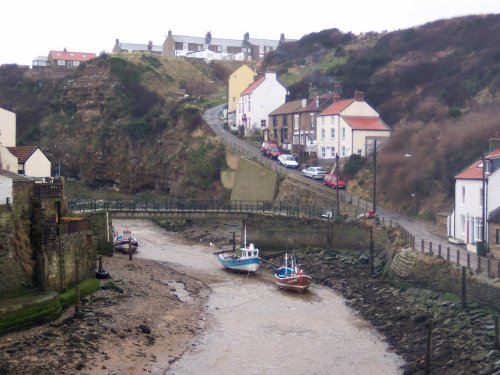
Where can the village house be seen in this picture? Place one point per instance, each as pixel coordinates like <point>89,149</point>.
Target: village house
<point>293,124</point>
<point>67,59</point>
<point>349,126</point>
<point>32,161</point>
<point>477,199</point>
<point>238,81</point>
<point>257,101</point>
<point>209,48</point>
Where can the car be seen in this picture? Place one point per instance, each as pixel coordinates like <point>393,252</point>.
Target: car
<point>288,161</point>
<point>330,180</point>
<point>270,149</point>
<point>316,173</point>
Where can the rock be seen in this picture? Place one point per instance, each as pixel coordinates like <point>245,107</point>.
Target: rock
<point>479,357</point>
<point>144,329</point>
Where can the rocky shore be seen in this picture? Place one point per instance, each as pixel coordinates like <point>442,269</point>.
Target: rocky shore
<point>136,323</point>
<point>462,338</point>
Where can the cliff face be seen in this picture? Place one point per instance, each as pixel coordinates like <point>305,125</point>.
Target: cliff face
<point>125,121</point>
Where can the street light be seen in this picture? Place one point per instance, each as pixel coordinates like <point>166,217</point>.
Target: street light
<point>414,195</point>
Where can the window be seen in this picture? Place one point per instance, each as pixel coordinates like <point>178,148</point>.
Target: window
<point>224,49</point>
<point>200,47</point>
<point>497,237</point>
<point>359,151</point>
<point>342,133</point>
<point>332,133</point>
<point>481,197</point>
<point>76,63</point>
<point>285,134</point>
<point>322,120</point>
<point>262,123</point>
<point>261,49</point>
<point>323,136</point>
<point>343,151</point>
<point>275,133</point>
<point>463,194</point>
<point>285,120</point>
<point>275,121</point>
<point>296,122</point>
<point>249,104</point>
<point>333,152</point>
<point>479,229</point>
<point>60,62</point>
<point>185,46</point>
<point>323,152</point>
<point>462,224</point>
<point>311,124</point>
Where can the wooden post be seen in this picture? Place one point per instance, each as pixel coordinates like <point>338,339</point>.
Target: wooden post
<point>422,248</point>
<point>430,248</point>
<point>439,250</point>
<point>372,263</point>
<point>429,346</point>
<point>77,299</point>
<point>464,286</point>
<point>129,249</point>
<point>497,344</point>
<point>100,264</point>
<point>234,242</point>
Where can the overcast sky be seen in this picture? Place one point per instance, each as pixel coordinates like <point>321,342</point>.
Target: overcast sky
<point>31,28</point>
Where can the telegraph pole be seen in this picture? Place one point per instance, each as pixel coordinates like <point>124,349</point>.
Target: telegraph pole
<point>374,176</point>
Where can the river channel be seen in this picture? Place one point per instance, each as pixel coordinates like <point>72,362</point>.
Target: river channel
<point>254,328</point>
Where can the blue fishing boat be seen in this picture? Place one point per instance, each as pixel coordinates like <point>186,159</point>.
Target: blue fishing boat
<point>245,260</point>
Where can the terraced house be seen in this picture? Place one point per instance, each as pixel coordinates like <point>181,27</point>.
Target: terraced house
<point>349,126</point>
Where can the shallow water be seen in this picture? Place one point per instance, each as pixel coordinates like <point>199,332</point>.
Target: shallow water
<point>254,328</point>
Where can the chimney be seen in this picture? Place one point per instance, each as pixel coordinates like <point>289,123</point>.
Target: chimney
<point>246,37</point>
<point>270,76</point>
<point>64,49</point>
<point>150,46</point>
<point>317,102</point>
<point>282,38</point>
<point>169,35</point>
<point>359,96</point>
<point>304,103</point>
<point>336,97</point>
<point>494,143</point>
<point>208,37</point>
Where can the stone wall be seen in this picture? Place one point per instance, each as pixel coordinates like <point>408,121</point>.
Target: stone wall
<point>254,182</point>
<point>102,230</point>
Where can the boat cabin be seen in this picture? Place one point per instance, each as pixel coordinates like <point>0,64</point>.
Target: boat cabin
<point>249,252</point>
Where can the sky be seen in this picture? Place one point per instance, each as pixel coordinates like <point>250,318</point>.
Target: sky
<point>32,28</point>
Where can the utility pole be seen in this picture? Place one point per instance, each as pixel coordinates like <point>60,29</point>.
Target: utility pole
<point>374,176</point>
<point>483,228</point>
<point>337,177</point>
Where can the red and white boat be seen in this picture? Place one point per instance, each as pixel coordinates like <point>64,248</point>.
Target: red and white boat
<point>291,277</point>
<point>124,241</point>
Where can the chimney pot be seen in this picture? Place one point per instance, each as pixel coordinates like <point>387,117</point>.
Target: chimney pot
<point>359,96</point>
<point>304,103</point>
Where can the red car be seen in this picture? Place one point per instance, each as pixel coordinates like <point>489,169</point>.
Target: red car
<point>330,180</point>
<point>270,149</point>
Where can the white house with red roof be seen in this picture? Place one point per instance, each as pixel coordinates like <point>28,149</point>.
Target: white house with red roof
<point>67,59</point>
<point>257,101</point>
<point>477,195</point>
<point>348,127</point>
<point>31,161</point>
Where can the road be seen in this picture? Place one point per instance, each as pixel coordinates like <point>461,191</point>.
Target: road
<point>421,230</point>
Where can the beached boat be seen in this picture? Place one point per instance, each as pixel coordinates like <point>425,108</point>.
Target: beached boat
<point>291,277</point>
<point>246,259</point>
<point>124,241</point>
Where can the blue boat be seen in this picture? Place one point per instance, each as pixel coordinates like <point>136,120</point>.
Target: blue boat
<point>246,260</point>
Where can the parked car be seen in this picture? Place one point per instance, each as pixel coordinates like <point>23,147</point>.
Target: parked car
<point>330,180</point>
<point>288,161</point>
<point>270,149</point>
<point>316,173</point>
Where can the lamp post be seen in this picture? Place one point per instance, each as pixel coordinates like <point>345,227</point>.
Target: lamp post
<point>414,194</point>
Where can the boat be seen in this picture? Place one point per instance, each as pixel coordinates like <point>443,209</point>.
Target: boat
<point>245,260</point>
<point>125,241</point>
<point>291,276</point>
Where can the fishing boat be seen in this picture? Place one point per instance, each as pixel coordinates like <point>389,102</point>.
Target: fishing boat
<point>245,260</point>
<point>291,277</point>
<point>124,241</point>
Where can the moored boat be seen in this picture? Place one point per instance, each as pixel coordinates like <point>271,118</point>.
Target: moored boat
<point>291,277</point>
<point>125,241</point>
<point>245,260</point>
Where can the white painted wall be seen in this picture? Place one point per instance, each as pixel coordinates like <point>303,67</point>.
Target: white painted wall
<point>7,128</point>
<point>468,207</point>
<point>37,165</point>
<point>493,195</point>
<point>7,160</point>
<point>5,190</point>
<point>264,99</point>
<point>360,109</point>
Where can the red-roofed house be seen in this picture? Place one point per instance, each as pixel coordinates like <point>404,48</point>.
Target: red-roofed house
<point>66,59</point>
<point>31,160</point>
<point>257,101</point>
<point>477,184</point>
<point>348,127</point>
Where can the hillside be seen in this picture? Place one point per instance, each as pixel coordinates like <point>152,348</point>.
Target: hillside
<point>436,85</point>
<point>128,122</point>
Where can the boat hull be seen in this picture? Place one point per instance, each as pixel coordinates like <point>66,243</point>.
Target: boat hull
<point>250,265</point>
<point>296,283</point>
<point>124,246</point>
